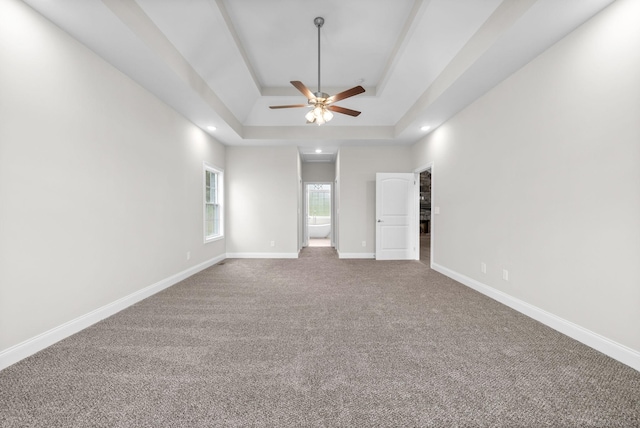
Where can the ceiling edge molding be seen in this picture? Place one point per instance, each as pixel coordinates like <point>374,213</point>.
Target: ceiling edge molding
<point>132,15</point>
<point>234,35</point>
<point>501,20</point>
<point>419,6</point>
<point>314,132</point>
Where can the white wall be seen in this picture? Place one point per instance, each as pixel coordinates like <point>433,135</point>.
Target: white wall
<point>541,177</point>
<point>262,184</point>
<point>300,204</point>
<point>318,172</point>
<point>100,182</point>
<point>356,172</point>
<point>336,205</point>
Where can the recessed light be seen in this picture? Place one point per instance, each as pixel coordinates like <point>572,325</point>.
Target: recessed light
<point>425,128</point>
<point>318,150</point>
<point>211,128</point>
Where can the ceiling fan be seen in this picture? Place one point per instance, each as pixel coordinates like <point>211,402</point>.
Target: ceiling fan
<point>320,102</point>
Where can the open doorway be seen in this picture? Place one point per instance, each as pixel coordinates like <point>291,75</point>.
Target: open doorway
<point>425,217</point>
<point>318,215</point>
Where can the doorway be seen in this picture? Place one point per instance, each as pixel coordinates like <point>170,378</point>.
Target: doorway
<point>318,215</point>
<point>425,229</point>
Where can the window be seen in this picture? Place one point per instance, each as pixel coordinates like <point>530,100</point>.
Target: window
<point>213,201</point>
<point>319,199</point>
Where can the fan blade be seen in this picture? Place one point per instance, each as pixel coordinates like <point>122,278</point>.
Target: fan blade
<point>345,94</point>
<point>305,91</point>
<point>290,106</point>
<point>343,110</point>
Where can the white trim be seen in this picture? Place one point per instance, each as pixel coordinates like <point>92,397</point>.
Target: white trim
<point>600,343</point>
<point>356,255</point>
<point>30,346</point>
<point>262,255</point>
<point>424,167</point>
<point>214,238</point>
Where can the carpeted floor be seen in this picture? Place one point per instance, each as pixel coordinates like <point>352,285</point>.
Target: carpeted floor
<point>319,341</point>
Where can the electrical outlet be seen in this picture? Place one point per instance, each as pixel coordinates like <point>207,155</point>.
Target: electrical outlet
<point>436,210</point>
<point>188,255</point>
<point>273,243</point>
<point>364,243</point>
<point>505,274</point>
<point>483,267</point>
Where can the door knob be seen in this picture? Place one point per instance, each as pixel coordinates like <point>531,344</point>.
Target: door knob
<point>380,221</point>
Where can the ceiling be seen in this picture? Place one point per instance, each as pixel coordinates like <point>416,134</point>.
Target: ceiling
<point>221,63</point>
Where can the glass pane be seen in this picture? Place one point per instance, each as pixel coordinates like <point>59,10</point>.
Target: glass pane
<point>208,221</point>
<point>212,220</point>
<point>207,192</point>
<point>212,189</point>
<point>216,220</point>
<point>319,199</point>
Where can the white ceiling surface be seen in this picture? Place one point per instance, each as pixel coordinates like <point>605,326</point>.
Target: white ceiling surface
<point>223,62</point>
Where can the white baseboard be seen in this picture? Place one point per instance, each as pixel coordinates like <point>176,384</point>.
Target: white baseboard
<point>29,347</point>
<point>600,343</point>
<point>356,255</point>
<point>262,255</point>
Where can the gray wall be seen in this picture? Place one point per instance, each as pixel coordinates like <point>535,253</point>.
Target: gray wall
<point>541,177</point>
<point>357,168</point>
<point>101,183</point>
<point>263,199</point>
<point>319,172</point>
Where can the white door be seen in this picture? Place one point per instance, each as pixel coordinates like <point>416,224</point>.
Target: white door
<point>396,222</point>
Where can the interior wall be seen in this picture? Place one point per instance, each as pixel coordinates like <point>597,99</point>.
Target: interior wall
<point>101,183</point>
<point>262,207</point>
<point>300,205</point>
<point>318,172</point>
<point>336,204</point>
<point>541,177</point>
<point>357,193</point>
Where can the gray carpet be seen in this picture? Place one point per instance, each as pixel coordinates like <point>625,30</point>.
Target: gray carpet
<point>319,341</point>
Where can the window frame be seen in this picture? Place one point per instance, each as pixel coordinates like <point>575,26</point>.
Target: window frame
<point>219,173</point>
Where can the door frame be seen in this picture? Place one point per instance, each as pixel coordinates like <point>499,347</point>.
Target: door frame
<point>305,208</point>
<point>432,228</point>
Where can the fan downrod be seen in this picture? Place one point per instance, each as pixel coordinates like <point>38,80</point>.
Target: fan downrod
<point>318,22</point>
<point>321,100</point>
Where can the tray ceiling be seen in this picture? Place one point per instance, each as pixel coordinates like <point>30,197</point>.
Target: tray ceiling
<point>223,62</point>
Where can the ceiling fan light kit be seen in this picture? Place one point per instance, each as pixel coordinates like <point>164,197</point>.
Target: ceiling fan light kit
<point>321,102</point>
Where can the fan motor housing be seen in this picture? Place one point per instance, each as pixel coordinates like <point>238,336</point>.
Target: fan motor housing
<point>319,96</point>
